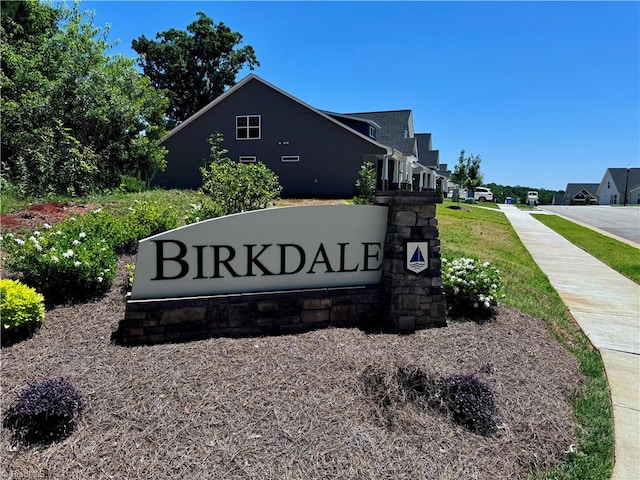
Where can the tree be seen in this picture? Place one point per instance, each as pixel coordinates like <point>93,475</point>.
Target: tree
<point>545,197</point>
<point>467,172</point>
<point>74,119</point>
<point>193,67</point>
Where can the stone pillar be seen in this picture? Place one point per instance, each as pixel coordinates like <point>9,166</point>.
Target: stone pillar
<point>411,283</point>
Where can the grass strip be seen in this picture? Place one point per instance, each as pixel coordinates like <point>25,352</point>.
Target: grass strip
<point>488,235</point>
<point>623,258</point>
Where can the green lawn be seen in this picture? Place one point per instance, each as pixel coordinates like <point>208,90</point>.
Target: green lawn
<point>462,204</point>
<point>618,255</point>
<point>487,235</point>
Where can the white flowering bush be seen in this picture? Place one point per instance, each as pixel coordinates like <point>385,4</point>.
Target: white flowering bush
<point>77,258</point>
<point>203,210</point>
<point>123,230</point>
<point>470,285</point>
<point>62,262</point>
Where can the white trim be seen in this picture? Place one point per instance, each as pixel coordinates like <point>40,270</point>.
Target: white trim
<point>249,127</point>
<point>247,159</point>
<point>290,158</point>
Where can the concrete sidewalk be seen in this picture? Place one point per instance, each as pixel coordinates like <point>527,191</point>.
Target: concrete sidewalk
<point>607,307</point>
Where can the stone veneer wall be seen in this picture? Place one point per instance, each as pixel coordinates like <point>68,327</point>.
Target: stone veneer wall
<point>273,313</point>
<point>411,301</point>
<point>403,301</point>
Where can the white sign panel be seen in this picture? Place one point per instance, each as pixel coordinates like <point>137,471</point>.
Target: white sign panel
<point>266,250</point>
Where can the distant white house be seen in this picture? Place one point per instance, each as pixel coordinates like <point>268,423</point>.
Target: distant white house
<point>610,191</point>
<point>634,195</point>
<point>614,184</point>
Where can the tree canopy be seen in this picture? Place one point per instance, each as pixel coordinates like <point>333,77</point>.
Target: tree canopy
<point>467,171</point>
<point>193,67</point>
<point>74,119</point>
<point>501,192</point>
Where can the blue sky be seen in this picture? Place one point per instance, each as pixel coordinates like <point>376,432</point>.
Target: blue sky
<point>547,93</point>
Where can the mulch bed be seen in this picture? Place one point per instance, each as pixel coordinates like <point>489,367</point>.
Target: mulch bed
<point>35,216</point>
<point>284,407</point>
<point>288,406</point>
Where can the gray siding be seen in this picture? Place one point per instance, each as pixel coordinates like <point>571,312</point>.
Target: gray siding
<point>330,155</point>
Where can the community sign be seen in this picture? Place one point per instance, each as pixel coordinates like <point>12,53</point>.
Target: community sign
<point>276,249</point>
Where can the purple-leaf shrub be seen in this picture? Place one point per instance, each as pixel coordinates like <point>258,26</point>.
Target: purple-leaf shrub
<point>44,412</point>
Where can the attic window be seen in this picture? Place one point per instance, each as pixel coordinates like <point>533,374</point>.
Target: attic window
<point>290,158</point>
<point>248,127</point>
<point>372,131</point>
<point>247,159</point>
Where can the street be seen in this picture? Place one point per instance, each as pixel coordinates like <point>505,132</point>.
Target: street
<point>620,221</point>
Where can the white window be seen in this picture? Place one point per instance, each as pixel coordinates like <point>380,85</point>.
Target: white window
<point>247,159</point>
<point>248,127</point>
<point>290,158</point>
<point>372,132</point>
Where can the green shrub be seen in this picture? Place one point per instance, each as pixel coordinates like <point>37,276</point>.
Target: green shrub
<point>237,187</point>
<point>366,184</point>
<point>122,231</point>
<point>20,305</point>
<point>471,287</point>
<point>63,263</point>
<point>77,259</point>
<point>131,272</point>
<point>129,184</point>
<point>203,210</point>
<point>142,220</point>
<point>44,412</point>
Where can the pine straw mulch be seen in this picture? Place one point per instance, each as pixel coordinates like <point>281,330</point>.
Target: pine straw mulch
<point>288,407</point>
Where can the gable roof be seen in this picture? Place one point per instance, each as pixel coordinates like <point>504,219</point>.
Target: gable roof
<point>619,177</point>
<point>395,128</point>
<point>574,189</point>
<point>351,117</point>
<point>253,77</point>
<point>427,156</point>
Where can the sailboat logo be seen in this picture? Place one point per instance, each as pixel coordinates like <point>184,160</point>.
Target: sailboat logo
<point>417,256</point>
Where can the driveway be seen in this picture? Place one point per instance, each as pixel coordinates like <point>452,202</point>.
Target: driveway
<point>622,222</point>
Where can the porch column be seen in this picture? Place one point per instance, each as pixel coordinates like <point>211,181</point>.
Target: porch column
<point>396,171</point>
<point>385,172</point>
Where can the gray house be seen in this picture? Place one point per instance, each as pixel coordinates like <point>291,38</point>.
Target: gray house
<point>313,152</point>
<point>615,182</point>
<point>578,194</point>
<point>444,179</point>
